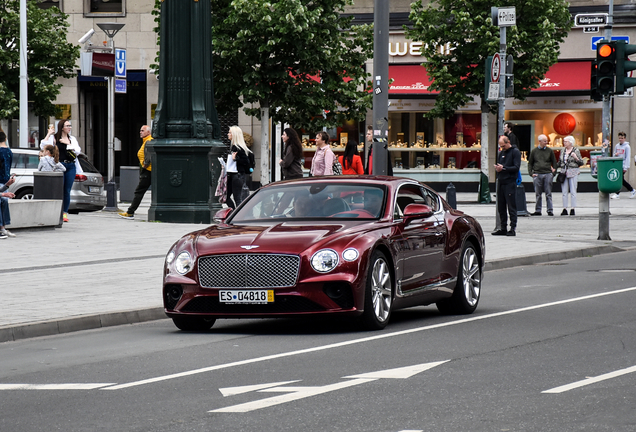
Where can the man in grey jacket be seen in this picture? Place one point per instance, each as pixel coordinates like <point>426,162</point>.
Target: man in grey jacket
<point>541,166</point>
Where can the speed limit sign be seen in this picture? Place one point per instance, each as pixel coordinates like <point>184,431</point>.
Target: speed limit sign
<point>495,68</point>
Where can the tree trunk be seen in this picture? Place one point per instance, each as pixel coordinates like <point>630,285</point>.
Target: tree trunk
<point>265,156</point>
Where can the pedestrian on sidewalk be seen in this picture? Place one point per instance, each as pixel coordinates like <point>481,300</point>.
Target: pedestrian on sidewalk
<point>68,149</point>
<point>570,161</point>
<point>509,162</point>
<point>623,150</point>
<point>50,161</point>
<point>145,174</point>
<point>238,168</point>
<point>514,141</point>
<point>351,162</point>
<point>5,216</point>
<point>6,159</point>
<point>541,166</point>
<point>322,162</point>
<point>292,155</point>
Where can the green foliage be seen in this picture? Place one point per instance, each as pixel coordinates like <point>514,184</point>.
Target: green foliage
<point>276,52</point>
<point>49,56</point>
<point>467,28</point>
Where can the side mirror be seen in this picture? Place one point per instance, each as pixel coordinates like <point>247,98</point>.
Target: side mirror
<point>221,215</point>
<point>415,211</point>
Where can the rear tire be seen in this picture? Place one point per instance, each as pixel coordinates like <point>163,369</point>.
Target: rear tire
<point>193,323</point>
<point>25,194</point>
<point>378,295</point>
<point>468,288</point>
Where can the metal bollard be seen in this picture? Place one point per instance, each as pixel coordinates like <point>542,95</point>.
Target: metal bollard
<point>451,195</point>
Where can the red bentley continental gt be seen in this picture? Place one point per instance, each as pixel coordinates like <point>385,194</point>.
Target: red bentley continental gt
<point>359,246</point>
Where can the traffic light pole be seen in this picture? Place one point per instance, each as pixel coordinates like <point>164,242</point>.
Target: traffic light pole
<point>604,198</point>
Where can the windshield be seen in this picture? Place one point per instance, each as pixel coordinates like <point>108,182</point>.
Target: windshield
<point>314,200</point>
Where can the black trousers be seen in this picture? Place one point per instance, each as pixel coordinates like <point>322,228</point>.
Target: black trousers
<point>235,183</point>
<point>140,191</point>
<point>507,199</point>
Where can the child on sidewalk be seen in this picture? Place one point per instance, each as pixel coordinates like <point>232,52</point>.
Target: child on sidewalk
<point>50,161</point>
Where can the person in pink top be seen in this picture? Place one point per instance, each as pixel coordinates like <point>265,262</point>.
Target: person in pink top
<point>322,163</point>
<point>351,162</point>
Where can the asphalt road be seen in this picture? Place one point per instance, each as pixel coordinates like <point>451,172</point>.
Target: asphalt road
<point>550,348</point>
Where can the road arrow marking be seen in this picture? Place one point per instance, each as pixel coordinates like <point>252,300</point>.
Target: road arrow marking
<point>231,391</point>
<point>399,373</point>
<point>85,386</point>
<point>298,392</point>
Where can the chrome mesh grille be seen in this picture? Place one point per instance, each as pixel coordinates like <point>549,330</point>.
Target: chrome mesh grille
<point>248,271</point>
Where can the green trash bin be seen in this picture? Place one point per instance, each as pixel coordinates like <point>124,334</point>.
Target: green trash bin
<point>610,174</point>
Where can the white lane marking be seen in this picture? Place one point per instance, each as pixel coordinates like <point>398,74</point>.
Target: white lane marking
<point>231,391</point>
<point>78,386</point>
<point>362,340</point>
<point>298,392</point>
<point>592,380</point>
<point>412,430</point>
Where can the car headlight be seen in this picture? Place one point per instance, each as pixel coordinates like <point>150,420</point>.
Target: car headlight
<point>183,263</point>
<point>324,261</point>
<point>350,254</point>
<point>170,257</point>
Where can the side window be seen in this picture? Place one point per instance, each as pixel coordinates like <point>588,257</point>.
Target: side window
<point>32,161</point>
<point>18,161</point>
<point>408,194</point>
<point>104,8</point>
<point>431,200</point>
<point>45,4</point>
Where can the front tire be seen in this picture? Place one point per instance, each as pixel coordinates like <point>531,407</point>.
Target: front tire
<point>468,288</point>
<point>193,323</point>
<point>25,194</point>
<point>378,295</point>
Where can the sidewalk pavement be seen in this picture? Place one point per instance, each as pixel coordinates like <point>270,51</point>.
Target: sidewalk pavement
<point>100,270</point>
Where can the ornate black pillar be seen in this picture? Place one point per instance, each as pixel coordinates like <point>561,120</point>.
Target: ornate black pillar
<point>186,128</point>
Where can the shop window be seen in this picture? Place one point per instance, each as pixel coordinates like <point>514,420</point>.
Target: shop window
<point>105,8</point>
<point>45,4</point>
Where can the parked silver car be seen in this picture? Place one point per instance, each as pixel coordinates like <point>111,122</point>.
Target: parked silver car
<point>87,194</point>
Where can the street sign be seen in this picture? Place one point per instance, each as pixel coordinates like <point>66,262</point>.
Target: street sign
<point>495,68</point>
<point>591,29</point>
<point>120,86</point>
<point>597,39</point>
<point>120,63</point>
<point>493,92</point>
<point>591,19</point>
<point>506,16</point>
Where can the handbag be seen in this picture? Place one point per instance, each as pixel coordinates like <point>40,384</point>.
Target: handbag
<point>561,177</point>
<point>336,167</point>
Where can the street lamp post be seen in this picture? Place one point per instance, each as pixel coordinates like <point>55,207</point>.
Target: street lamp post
<point>111,29</point>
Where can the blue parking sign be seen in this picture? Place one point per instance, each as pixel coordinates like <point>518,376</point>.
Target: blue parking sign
<point>120,63</point>
<point>596,39</point>
<point>120,86</point>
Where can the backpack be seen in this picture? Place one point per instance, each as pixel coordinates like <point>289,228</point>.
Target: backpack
<point>250,156</point>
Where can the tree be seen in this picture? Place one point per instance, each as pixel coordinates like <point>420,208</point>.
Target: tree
<point>49,56</point>
<point>467,28</point>
<point>299,57</point>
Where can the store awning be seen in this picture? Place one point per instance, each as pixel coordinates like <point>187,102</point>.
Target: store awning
<point>564,76</point>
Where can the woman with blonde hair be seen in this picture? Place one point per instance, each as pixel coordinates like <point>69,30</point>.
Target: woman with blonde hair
<point>570,161</point>
<point>238,167</point>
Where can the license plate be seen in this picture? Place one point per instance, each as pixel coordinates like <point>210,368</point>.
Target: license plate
<point>246,296</point>
<point>93,189</point>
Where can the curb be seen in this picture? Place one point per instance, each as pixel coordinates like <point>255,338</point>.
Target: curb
<point>88,322</point>
<point>83,322</point>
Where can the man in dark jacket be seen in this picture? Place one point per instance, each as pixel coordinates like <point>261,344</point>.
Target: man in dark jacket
<point>514,141</point>
<point>509,161</point>
<point>541,166</point>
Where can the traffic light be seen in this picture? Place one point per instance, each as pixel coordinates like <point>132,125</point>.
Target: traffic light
<point>624,66</point>
<point>606,67</point>
<point>594,94</point>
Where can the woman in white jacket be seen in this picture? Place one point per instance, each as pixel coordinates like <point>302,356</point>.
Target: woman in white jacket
<point>68,149</point>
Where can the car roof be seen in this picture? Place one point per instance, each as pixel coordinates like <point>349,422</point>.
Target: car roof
<point>25,150</point>
<point>357,179</point>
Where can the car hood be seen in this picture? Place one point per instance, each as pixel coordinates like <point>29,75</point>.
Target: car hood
<point>286,237</point>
